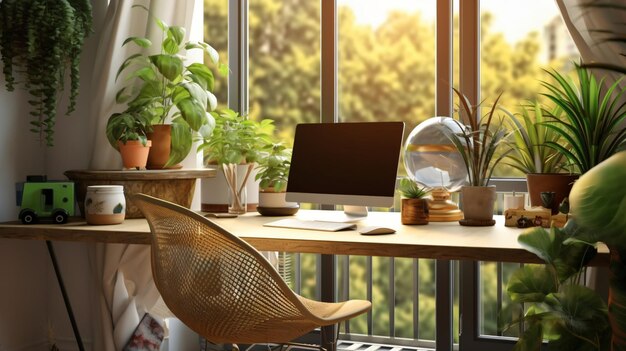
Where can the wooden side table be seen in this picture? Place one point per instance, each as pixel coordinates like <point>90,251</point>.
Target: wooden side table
<point>174,185</point>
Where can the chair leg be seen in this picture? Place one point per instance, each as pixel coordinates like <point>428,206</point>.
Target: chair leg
<point>332,340</point>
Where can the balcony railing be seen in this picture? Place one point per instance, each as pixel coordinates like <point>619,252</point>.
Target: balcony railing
<point>403,292</point>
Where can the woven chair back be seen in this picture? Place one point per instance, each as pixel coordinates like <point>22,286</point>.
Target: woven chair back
<point>217,284</point>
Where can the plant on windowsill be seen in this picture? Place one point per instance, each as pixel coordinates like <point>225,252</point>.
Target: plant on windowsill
<point>126,132</point>
<point>41,40</point>
<point>591,125</point>
<point>543,165</point>
<point>478,144</point>
<point>234,147</point>
<point>570,316</point>
<point>273,173</point>
<point>414,205</point>
<point>163,88</point>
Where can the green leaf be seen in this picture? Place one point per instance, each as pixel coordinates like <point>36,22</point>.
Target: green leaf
<point>197,93</point>
<point>531,283</point>
<point>539,241</point>
<point>193,112</point>
<point>170,46</point>
<point>170,67</point>
<point>181,141</point>
<point>142,42</point>
<point>176,33</point>
<point>531,340</point>
<point>202,75</point>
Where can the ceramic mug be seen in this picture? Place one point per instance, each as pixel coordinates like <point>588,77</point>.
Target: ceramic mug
<point>105,204</point>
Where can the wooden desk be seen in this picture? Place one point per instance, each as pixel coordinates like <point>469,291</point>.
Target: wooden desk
<point>441,241</point>
<point>448,241</point>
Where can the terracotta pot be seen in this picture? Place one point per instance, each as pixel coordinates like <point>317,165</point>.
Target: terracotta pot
<point>134,153</point>
<point>560,184</point>
<point>161,137</point>
<point>478,204</point>
<point>414,211</point>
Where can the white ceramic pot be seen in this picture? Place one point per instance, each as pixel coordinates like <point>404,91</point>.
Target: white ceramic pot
<point>274,200</point>
<point>105,204</point>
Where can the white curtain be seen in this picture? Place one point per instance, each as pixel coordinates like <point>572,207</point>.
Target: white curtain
<point>122,272</point>
<point>583,20</point>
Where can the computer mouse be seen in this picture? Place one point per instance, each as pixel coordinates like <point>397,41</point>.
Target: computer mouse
<point>375,230</point>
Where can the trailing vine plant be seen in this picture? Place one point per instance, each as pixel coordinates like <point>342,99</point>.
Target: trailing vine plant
<point>39,40</point>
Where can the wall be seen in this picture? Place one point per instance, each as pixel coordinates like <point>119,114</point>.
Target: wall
<point>31,307</point>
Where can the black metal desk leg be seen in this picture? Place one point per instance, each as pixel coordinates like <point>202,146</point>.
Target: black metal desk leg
<point>444,338</point>
<point>66,299</point>
<point>328,334</point>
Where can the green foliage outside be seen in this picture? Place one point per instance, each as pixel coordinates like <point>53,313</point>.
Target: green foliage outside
<point>386,73</point>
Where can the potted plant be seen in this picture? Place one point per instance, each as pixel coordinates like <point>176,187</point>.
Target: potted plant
<point>272,175</point>
<point>478,143</point>
<point>568,315</point>
<point>531,155</point>
<point>43,40</point>
<point>591,126</point>
<point>164,88</point>
<point>127,133</point>
<point>234,147</point>
<point>414,205</point>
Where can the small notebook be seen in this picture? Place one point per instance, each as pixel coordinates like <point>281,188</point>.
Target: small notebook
<point>310,225</point>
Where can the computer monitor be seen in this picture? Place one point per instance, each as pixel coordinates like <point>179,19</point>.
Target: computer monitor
<point>350,164</point>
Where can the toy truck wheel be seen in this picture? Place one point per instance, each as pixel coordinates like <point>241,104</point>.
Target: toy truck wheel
<point>59,216</point>
<point>28,217</point>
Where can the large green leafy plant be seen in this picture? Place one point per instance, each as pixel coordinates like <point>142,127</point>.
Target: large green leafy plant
<point>530,152</point>
<point>479,140</point>
<point>571,316</point>
<point>162,87</point>
<point>591,126</point>
<point>40,40</point>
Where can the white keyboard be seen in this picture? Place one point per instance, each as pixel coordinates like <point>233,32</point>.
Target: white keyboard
<point>310,225</point>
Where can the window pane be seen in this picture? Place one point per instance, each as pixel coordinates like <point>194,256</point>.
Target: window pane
<point>284,62</point>
<point>216,34</point>
<point>517,43</point>
<point>386,64</point>
<point>386,61</point>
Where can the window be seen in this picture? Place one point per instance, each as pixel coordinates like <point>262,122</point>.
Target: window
<point>515,48</point>
<point>394,60</point>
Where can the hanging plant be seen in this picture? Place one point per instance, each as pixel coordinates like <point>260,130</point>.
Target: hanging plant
<point>39,40</point>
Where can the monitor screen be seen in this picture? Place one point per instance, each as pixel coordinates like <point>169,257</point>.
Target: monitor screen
<point>345,163</point>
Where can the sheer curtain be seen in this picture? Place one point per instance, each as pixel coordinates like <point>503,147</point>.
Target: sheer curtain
<point>122,272</point>
<point>585,19</point>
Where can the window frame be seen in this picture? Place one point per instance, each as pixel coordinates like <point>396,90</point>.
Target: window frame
<point>469,14</point>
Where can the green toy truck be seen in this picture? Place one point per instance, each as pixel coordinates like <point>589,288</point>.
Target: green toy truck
<point>41,199</point>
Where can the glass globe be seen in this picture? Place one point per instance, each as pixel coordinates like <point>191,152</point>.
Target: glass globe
<point>431,159</point>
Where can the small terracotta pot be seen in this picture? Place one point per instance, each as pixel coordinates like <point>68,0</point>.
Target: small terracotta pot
<point>414,211</point>
<point>478,203</point>
<point>560,184</point>
<point>161,137</point>
<point>134,153</point>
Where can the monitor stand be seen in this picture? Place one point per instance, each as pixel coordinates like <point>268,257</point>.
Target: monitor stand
<point>350,214</point>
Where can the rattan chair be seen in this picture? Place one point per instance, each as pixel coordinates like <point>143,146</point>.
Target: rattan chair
<point>223,288</point>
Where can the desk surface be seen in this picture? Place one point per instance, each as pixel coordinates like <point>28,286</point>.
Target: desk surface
<point>435,240</point>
